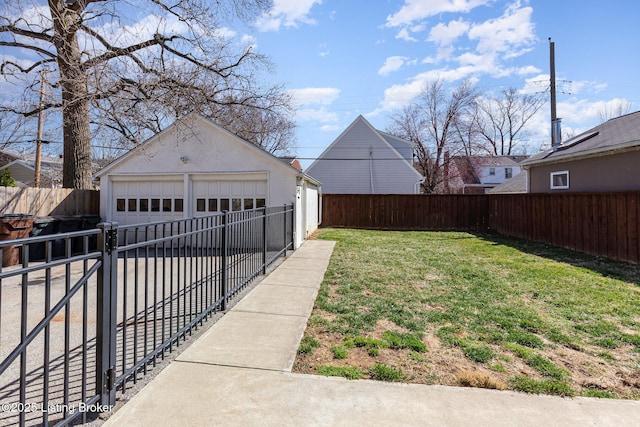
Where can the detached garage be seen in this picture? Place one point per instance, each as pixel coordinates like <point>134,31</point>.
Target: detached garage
<point>197,168</point>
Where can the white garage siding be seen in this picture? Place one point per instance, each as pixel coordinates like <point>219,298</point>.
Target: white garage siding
<point>311,210</point>
<point>194,168</point>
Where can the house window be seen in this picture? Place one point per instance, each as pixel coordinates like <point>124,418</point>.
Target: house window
<point>492,171</point>
<point>144,205</point>
<point>155,205</point>
<point>560,180</point>
<point>213,205</point>
<point>224,204</point>
<point>133,205</point>
<point>236,204</point>
<point>200,206</point>
<point>261,203</point>
<point>248,204</point>
<point>508,173</point>
<point>179,205</point>
<point>166,205</point>
<point>120,205</point>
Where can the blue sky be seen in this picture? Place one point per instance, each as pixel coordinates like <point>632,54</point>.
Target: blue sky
<point>342,58</point>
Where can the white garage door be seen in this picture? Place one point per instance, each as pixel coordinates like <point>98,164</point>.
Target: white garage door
<point>213,195</point>
<point>136,202</point>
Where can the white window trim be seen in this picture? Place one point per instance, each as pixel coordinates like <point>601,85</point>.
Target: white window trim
<point>559,187</point>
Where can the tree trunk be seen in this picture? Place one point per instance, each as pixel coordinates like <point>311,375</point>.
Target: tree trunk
<point>76,166</point>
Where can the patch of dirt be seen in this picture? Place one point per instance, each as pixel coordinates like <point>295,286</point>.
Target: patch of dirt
<point>445,365</point>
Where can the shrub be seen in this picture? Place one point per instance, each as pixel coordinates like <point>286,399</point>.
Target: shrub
<point>6,180</point>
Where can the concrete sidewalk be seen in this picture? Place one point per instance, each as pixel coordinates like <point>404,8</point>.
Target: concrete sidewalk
<point>239,373</point>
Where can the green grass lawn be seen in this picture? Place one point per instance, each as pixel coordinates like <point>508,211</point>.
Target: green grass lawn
<point>475,310</point>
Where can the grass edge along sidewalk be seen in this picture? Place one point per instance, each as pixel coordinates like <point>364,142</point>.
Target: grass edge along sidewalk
<point>475,310</point>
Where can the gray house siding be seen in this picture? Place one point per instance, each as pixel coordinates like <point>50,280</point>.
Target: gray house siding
<point>404,148</point>
<point>362,161</point>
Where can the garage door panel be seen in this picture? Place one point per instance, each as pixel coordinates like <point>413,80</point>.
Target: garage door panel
<point>215,196</point>
<point>141,202</point>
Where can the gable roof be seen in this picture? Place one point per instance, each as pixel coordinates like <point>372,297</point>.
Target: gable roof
<point>207,122</point>
<point>387,140</point>
<point>620,133</point>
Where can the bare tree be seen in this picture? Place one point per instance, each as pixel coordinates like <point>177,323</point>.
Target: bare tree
<point>502,121</point>
<point>434,123</point>
<point>111,74</point>
<point>619,107</point>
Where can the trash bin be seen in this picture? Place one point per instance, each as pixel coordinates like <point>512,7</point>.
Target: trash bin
<point>67,224</point>
<point>90,222</point>
<point>14,226</point>
<point>42,226</point>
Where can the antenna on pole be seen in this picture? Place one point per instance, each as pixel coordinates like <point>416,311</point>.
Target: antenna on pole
<point>556,134</point>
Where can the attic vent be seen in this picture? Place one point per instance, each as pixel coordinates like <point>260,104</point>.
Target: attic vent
<point>577,140</point>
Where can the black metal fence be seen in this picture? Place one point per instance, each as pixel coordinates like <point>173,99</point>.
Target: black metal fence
<point>87,313</point>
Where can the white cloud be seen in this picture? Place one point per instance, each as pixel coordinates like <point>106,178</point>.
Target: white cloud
<point>417,10</point>
<point>314,95</point>
<point>321,115</point>
<point>324,50</point>
<point>289,13</point>
<point>330,128</point>
<point>445,34</point>
<point>393,63</point>
<point>399,95</point>
<point>403,34</point>
<point>312,103</point>
<point>508,33</point>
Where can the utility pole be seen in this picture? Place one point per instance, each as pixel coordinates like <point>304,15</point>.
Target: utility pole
<point>556,135</point>
<point>43,81</point>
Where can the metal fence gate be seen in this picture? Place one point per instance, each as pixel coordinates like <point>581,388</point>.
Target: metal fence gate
<point>86,314</point>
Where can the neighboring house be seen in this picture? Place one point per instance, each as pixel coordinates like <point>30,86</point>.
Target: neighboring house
<point>195,168</point>
<point>8,157</point>
<point>363,160</point>
<point>293,162</point>
<point>22,168</point>
<point>480,174</point>
<point>604,158</point>
<point>515,185</point>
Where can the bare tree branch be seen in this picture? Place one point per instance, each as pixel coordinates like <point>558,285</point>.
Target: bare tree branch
<point>125,92</point>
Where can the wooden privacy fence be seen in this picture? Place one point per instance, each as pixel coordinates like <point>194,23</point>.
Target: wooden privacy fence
<point>48,201</point>
<point>405,212</point>
<point>602,224</point>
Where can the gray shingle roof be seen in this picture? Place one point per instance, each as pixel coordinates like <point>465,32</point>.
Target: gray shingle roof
<point>615,134</point>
